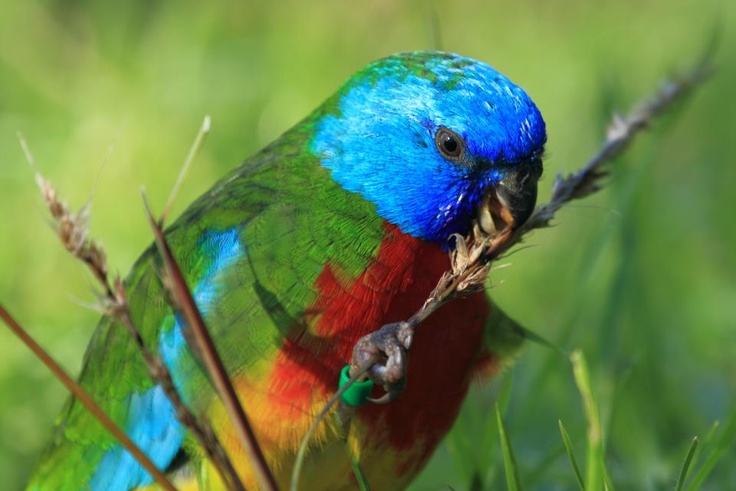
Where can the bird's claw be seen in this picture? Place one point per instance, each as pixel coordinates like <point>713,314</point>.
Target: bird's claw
<point>387,352</point>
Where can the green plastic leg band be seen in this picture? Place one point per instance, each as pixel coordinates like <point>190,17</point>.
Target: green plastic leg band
<point>357,394</point>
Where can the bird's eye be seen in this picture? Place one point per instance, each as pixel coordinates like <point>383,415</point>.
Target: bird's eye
<point>449,144</point>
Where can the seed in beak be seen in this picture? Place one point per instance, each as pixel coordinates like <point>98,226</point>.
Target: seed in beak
<point>493,214</point>
<point>485,220</point>
<point>502,195</point>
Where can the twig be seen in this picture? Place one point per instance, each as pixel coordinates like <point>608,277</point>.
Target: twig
<point>205,349</point>
<point>621,132</point>
<point>159,373</point>
<point>473,255</point>
<point>72,231</point>
<point>87,401</point>
<point>196,332</point>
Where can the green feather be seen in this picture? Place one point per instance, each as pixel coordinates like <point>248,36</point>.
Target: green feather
<point>293,219</point>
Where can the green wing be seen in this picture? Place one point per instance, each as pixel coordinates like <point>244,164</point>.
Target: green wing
<point>251,249</point>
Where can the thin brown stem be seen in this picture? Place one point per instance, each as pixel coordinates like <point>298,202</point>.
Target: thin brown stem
<point>621,132</point>
<point>86,400</point>
<point>200,427</point>
<point>469,273</point>
<point>205,348</point>
<point>473,256</point>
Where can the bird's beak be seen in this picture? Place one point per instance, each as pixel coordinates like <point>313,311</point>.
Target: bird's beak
<point>512,201</point>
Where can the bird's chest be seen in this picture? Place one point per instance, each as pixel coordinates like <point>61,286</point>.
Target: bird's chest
<point>396,439</point>
<point>393,440</point>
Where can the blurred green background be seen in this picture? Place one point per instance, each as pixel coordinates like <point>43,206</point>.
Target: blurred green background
<point>640,277</point>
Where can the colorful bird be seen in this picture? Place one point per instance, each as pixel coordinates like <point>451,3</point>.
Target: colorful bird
<point>340,226</point>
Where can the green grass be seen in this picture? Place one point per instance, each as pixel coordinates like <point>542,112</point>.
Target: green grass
<point>682,477</point>
<point>510,467</point>
<point>639,278</point>
<point>571,455</point>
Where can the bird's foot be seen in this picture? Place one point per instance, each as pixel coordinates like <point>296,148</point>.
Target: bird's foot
<point>387,353</point>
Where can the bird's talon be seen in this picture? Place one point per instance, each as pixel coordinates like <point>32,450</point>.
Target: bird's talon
<point>387,349</point>
<point>384,399</point>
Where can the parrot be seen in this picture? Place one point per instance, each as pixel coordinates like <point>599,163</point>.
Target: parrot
<point>340,226</point>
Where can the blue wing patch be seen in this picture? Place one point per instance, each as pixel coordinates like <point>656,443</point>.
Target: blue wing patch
<point>151,421</point>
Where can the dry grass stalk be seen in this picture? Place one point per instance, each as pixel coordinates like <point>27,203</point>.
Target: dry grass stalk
<point>204,348</point>
<point>72,230</point>
<point>473,256</point>
<point>196,332</point>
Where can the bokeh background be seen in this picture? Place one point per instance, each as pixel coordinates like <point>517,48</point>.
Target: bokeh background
<point>641,278</point>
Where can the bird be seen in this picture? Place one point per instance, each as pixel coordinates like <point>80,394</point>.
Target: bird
<point>340,226</point>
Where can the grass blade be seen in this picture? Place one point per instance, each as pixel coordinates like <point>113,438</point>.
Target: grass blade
<point>504,394</point>
<point>594,462</point>
<point>571,455</point>
<point>360,476</point>
<point>686,465</point>
<point>722,445</point>
<point>607,482</point>
<point>513,481</point>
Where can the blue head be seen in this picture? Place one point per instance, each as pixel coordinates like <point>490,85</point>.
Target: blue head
<point>435,141</point>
